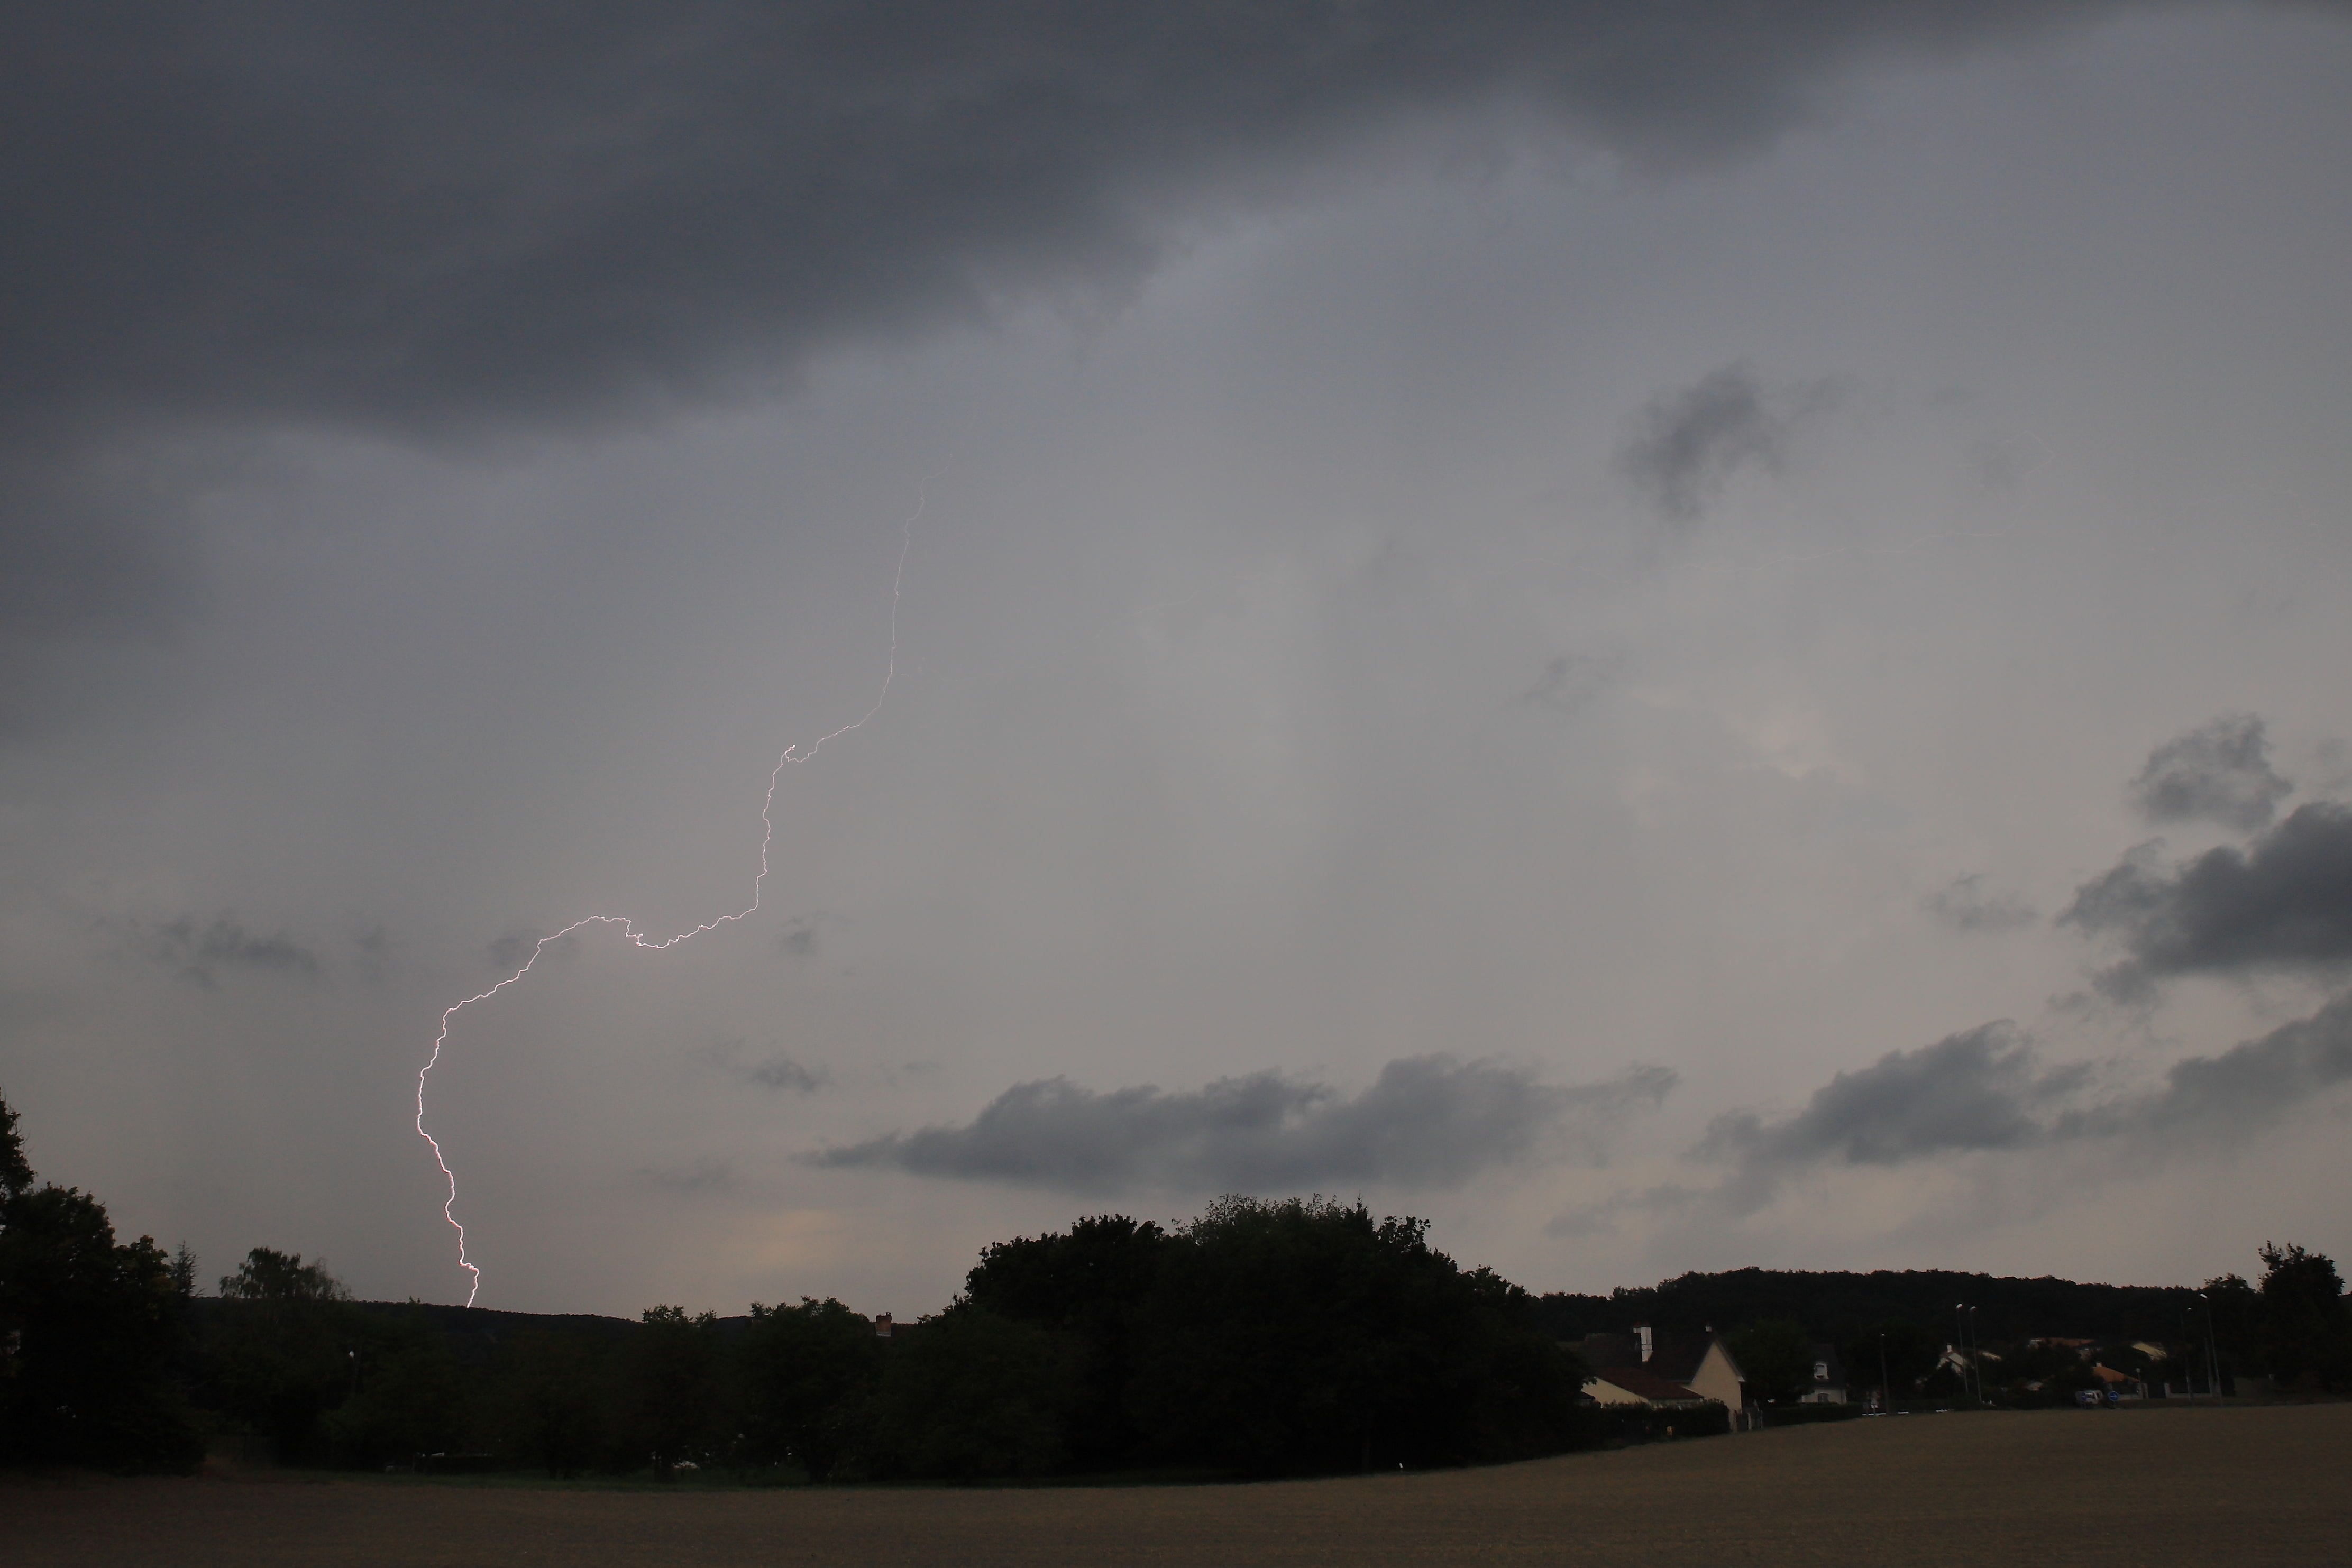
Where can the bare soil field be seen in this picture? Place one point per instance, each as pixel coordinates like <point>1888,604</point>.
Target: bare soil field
<point>2236,1486</point>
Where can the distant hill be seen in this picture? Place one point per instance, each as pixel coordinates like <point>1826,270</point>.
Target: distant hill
<point>1838,1306</point>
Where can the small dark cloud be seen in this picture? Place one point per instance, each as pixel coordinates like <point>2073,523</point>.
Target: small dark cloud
<point>1966,903</point>
<point>374,952</point>
<point>199,951</point>
<point>1685,446</point>
<point>2284,902</point>
<point>783,1073</point>
<point>798,938</point>
<point>2220,771</point>
<point>1426,1121</point>
<point>1570,682</point>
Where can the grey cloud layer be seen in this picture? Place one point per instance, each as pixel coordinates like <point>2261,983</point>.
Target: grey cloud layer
<point>2283,901</point>
<point>436,220</point>
<point>2220,771</point>
<point>1426,1121</point>
<point>424,215</point>
<point>1988,1089</point>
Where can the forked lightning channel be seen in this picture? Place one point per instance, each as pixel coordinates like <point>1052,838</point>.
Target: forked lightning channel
<point>628,929</point>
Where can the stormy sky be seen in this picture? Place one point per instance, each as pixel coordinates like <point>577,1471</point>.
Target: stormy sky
<point>1672,635</point>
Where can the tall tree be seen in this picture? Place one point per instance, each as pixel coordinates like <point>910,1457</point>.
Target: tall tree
<point>90,1332</point>
<point>2307,1328</point>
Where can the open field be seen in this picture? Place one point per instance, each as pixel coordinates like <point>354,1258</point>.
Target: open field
<point>2240,1485</point>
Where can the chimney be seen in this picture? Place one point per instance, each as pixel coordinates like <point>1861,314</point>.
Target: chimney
<point>1642,1333</point>
<point>882,1326</point>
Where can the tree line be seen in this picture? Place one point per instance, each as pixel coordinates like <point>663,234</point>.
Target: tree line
<point>1894,1328</point>
<point>1262,1338</point>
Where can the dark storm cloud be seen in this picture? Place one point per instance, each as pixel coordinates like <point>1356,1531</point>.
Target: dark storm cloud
<point>1685,446</point>
<point>1988,1089</point>
<point>1426,1121</point>
<point>1966,903</point>
<point>2283,901</point>
<point>441,220</point>
<point>422,214</point>
<point>1973,1091</point>
<point>2220,771</point>
<point>2242,1091</point>
<point>200,951</point>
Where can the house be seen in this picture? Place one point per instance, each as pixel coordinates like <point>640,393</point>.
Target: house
<point>1969,1362</point>
<point>882,1326</point>
<point>1638,1385</point>
<point>1697,1366</point>
<point>1828,1386</point>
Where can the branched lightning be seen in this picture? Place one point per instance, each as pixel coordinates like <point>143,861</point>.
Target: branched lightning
<point>792,754</point>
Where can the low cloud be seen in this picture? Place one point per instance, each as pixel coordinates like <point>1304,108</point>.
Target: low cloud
<point>1977,1090</point>
<point>1966,903</point>
<point>2284,902</point>
<point>2220,771</point>
<point>199,952</point>
<point>1431,1121</point>
<point>1686,446</point>
<point>2245,1088</point>
<point>1990,1089</point>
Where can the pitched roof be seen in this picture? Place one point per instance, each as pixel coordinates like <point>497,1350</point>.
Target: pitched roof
<point>1647,1384</point>
<point>1678,1356</point>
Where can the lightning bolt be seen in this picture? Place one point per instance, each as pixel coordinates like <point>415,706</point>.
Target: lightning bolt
<point>792,755</point>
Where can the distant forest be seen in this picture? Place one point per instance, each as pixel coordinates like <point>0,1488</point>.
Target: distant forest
<point>1262,1338</point>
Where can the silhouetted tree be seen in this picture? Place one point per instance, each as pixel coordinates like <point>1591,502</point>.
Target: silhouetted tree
<point>1776,1356</point>
<point>805,1374</point>
<point>556,1403</point>
<point>2306,1335</point>
<point>1088,1286</point>
<point>968,1394</point>
<point>282,1349</point>
<point>90,1332</point>
<point>1304,1335</point>
<point>678,1409</point>
<point>407,1398</point>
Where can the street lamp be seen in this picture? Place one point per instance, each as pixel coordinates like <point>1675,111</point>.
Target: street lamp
<point>2213,1354</point>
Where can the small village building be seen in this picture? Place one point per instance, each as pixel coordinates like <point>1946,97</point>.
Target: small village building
<point>1828,1385</point>
<point>1660,1368</point>
<point>1638,1385</point>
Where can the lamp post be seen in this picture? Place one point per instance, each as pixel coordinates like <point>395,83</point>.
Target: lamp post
<point>1960,1343</point>
<point>1885,1389</point>
<point>2212,1353</point>
<point>2192,1340</point>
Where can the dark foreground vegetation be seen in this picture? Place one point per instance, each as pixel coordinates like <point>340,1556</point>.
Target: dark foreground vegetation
<point>1261,1338</point>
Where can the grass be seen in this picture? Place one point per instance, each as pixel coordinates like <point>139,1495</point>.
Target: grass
<point>2249,1486</point>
